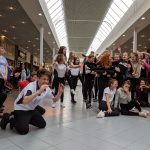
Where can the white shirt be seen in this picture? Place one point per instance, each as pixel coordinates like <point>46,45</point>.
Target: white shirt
<point>110,92</point>
<point>75,71</point>
<point>3,64</point>
<point>61,70</point>
<point>29,90</point>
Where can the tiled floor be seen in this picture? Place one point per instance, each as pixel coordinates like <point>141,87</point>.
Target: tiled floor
<point>75,128</point>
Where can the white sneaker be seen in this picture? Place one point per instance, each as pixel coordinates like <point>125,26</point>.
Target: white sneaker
<point>143,114</point>
<point>101,114</point>
<point>73,92</point>
<point>53,105</point>
<point>62,105</point>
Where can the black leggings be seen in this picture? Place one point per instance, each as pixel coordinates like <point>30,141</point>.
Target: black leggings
<point>103,107</point>
<point>57,82</point>
<point>73,84</point>
<point>95,87</point>
<point>22,119</point>
<point>3,95</point>
<point>126,108</point>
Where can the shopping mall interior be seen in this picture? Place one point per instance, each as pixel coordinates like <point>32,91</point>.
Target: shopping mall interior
<point>95,35</point>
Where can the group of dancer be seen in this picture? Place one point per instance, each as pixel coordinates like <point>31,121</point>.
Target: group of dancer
<point>118,84</point>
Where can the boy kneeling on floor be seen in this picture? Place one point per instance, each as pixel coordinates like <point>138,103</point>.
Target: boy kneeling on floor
<point>24,106</point>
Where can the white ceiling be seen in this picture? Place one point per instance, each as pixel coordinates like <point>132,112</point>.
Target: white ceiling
<point>83,17</point>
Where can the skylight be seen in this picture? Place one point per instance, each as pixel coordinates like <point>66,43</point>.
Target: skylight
<point>56,12</point>
<point>116,11</point>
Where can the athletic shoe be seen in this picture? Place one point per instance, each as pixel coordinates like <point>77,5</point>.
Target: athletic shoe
<point>101,114</point>
<point>143,114</point>
<point>4,121</point>
<point>62,105</point>
<point>53,105</point>
<point>88,105</point>
<point>73,101</point>
<point>95,100</point>
<point>73,92</point>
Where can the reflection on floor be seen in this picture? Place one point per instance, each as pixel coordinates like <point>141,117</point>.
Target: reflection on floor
<point>75,128</point>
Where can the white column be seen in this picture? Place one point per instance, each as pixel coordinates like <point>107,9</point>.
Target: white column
<point>41,45</point>
<point>135,41</point>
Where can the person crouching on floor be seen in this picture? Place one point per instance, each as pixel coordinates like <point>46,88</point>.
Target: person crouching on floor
<point>26,102</point>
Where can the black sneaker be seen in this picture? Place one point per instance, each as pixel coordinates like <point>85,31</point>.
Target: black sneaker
<point>88,105</point>
<point>4,121</point>
<point>11,123</point>
<point>73,101</point>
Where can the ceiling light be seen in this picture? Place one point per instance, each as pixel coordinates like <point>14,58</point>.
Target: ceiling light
<point>143,18</point>
<point>34,45</point>
<point>27,47</point>
<point>1,15</point>
<point>11,8</point>
<point>145,47</point>
<point>139,45</point>
<point>5,30</point>
<point>40,14</point>
<point>148,39</point>
<point>13,27</point>
<point>142,36</point>
<point>123,35</point>
<point>29,41</point>
<point>49,33</point>
<point>23,22</point>
<point>37,39</point>
<point>2,36</point>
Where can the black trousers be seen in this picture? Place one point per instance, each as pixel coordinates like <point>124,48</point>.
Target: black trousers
<point>57,82</point>
<point>22,119</point>
<point>87,88</point>
<point>125,108</point>
<point>3,94</point>
<point>103,107</point>
<point>73,84</point>
<point>95,87</point>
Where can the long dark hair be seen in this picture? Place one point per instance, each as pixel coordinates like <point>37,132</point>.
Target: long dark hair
<point>61,50</point>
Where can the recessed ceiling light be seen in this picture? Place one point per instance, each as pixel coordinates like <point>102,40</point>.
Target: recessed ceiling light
<point>34,45</point>
<point>1,15</point>
<point>40,14</point>
<point>148,39</point>
<point>11,8</point>
<point>123,35</point>
<point>5,30</point>
<point>23,22</point>
<point>29,41</point>
<point>142,36</point>
<point>37,39</point>
<point>27,47</point>
<point>13,27</point>
<point>143,18</point>
<point>2,36</point>
<point>49,32</point>
<point>145,47</point>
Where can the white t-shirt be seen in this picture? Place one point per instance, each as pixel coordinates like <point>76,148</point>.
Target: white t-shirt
<point>29,90</point>
<point>3,64</point>
<point>61,70</point>
<point>110,92</point>
<point>75,71</point>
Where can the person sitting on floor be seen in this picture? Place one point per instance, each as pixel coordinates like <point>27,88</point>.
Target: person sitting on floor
<point>26,102</point>
<point>124,101</point>
<point>106,104</point>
